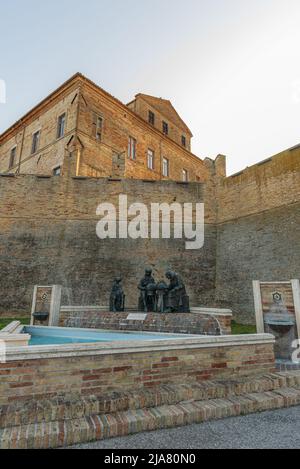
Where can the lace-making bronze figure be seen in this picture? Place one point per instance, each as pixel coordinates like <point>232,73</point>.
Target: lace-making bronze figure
<point>117,297</point>
<point>147,287</point>
<point>163,298</point>
<point>177,300</point>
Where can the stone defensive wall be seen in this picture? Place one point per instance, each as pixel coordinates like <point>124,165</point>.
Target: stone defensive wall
<point>48,236</point>
<point>268,185</point>
<point>258,229</point>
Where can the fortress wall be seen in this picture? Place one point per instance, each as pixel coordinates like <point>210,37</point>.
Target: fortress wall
<point>48,235</point>
<point>258,230</point>
<point>263,246</point>
<point>270,184</point>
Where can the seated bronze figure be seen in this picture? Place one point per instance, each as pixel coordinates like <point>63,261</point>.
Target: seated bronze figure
<point>163,298</point>
<point>177,299</point>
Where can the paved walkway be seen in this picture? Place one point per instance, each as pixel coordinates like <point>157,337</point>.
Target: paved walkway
<point>276,429</point>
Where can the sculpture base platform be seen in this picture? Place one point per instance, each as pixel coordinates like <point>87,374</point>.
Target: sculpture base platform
<point>196,322</point>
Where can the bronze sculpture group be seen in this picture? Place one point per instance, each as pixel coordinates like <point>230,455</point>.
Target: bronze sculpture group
<point>154,297</point>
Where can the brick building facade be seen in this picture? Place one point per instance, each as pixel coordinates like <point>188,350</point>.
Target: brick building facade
<point>144,140</point>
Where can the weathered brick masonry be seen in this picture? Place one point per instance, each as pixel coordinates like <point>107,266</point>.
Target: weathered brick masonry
<point>48,236</point>
<point>57,422</point>
<point>169,323</point>
<point>47,226</point>
<point>258,230</point>
<point>25,380</point>
<point>53,397</point>
<point>51,150</point>
<point>252,231</point>
<point>101,149</point>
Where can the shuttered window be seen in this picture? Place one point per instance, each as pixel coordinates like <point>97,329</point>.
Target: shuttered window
<point>150,159</point>
<point>165,128</point>
<point>61,126</point>
<point>132,148</point>
<point>166,168</point>
<point>35,142</point>
<point>12,158</point>
<point>151,118</point>
<point>97,127</point>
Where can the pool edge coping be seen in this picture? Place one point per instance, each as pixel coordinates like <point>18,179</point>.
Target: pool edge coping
<point>94,349</point>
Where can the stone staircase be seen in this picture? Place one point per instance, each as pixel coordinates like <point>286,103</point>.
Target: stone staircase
<point>58,422</point>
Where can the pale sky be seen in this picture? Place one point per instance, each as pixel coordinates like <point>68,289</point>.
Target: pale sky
<point>230,67</point>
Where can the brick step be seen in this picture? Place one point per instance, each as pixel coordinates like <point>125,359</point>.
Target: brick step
<point>98,427</point>
<point>51,410</point>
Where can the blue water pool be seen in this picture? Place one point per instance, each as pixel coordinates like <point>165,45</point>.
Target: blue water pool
<point>59,336</point>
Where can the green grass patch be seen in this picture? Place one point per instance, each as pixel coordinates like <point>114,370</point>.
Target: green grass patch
<point>5,321</point>
<point>240,329</point>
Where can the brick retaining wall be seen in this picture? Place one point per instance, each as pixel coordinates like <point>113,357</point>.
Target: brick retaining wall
<point>83,371</point>
<point>169,323</point>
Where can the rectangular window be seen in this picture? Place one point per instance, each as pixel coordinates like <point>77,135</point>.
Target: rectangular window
<point>185,175</point>
<point>99,128</point>
<point>57,171</point>
<point>166,168</point>
<point>132,148</point>
<point>35,142</point>
<point>165,128</point>
<point>151,118</point>
<point>12,159</point>
<point>61,126</point>
<point>183,141</point>
<point>151,159</point>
